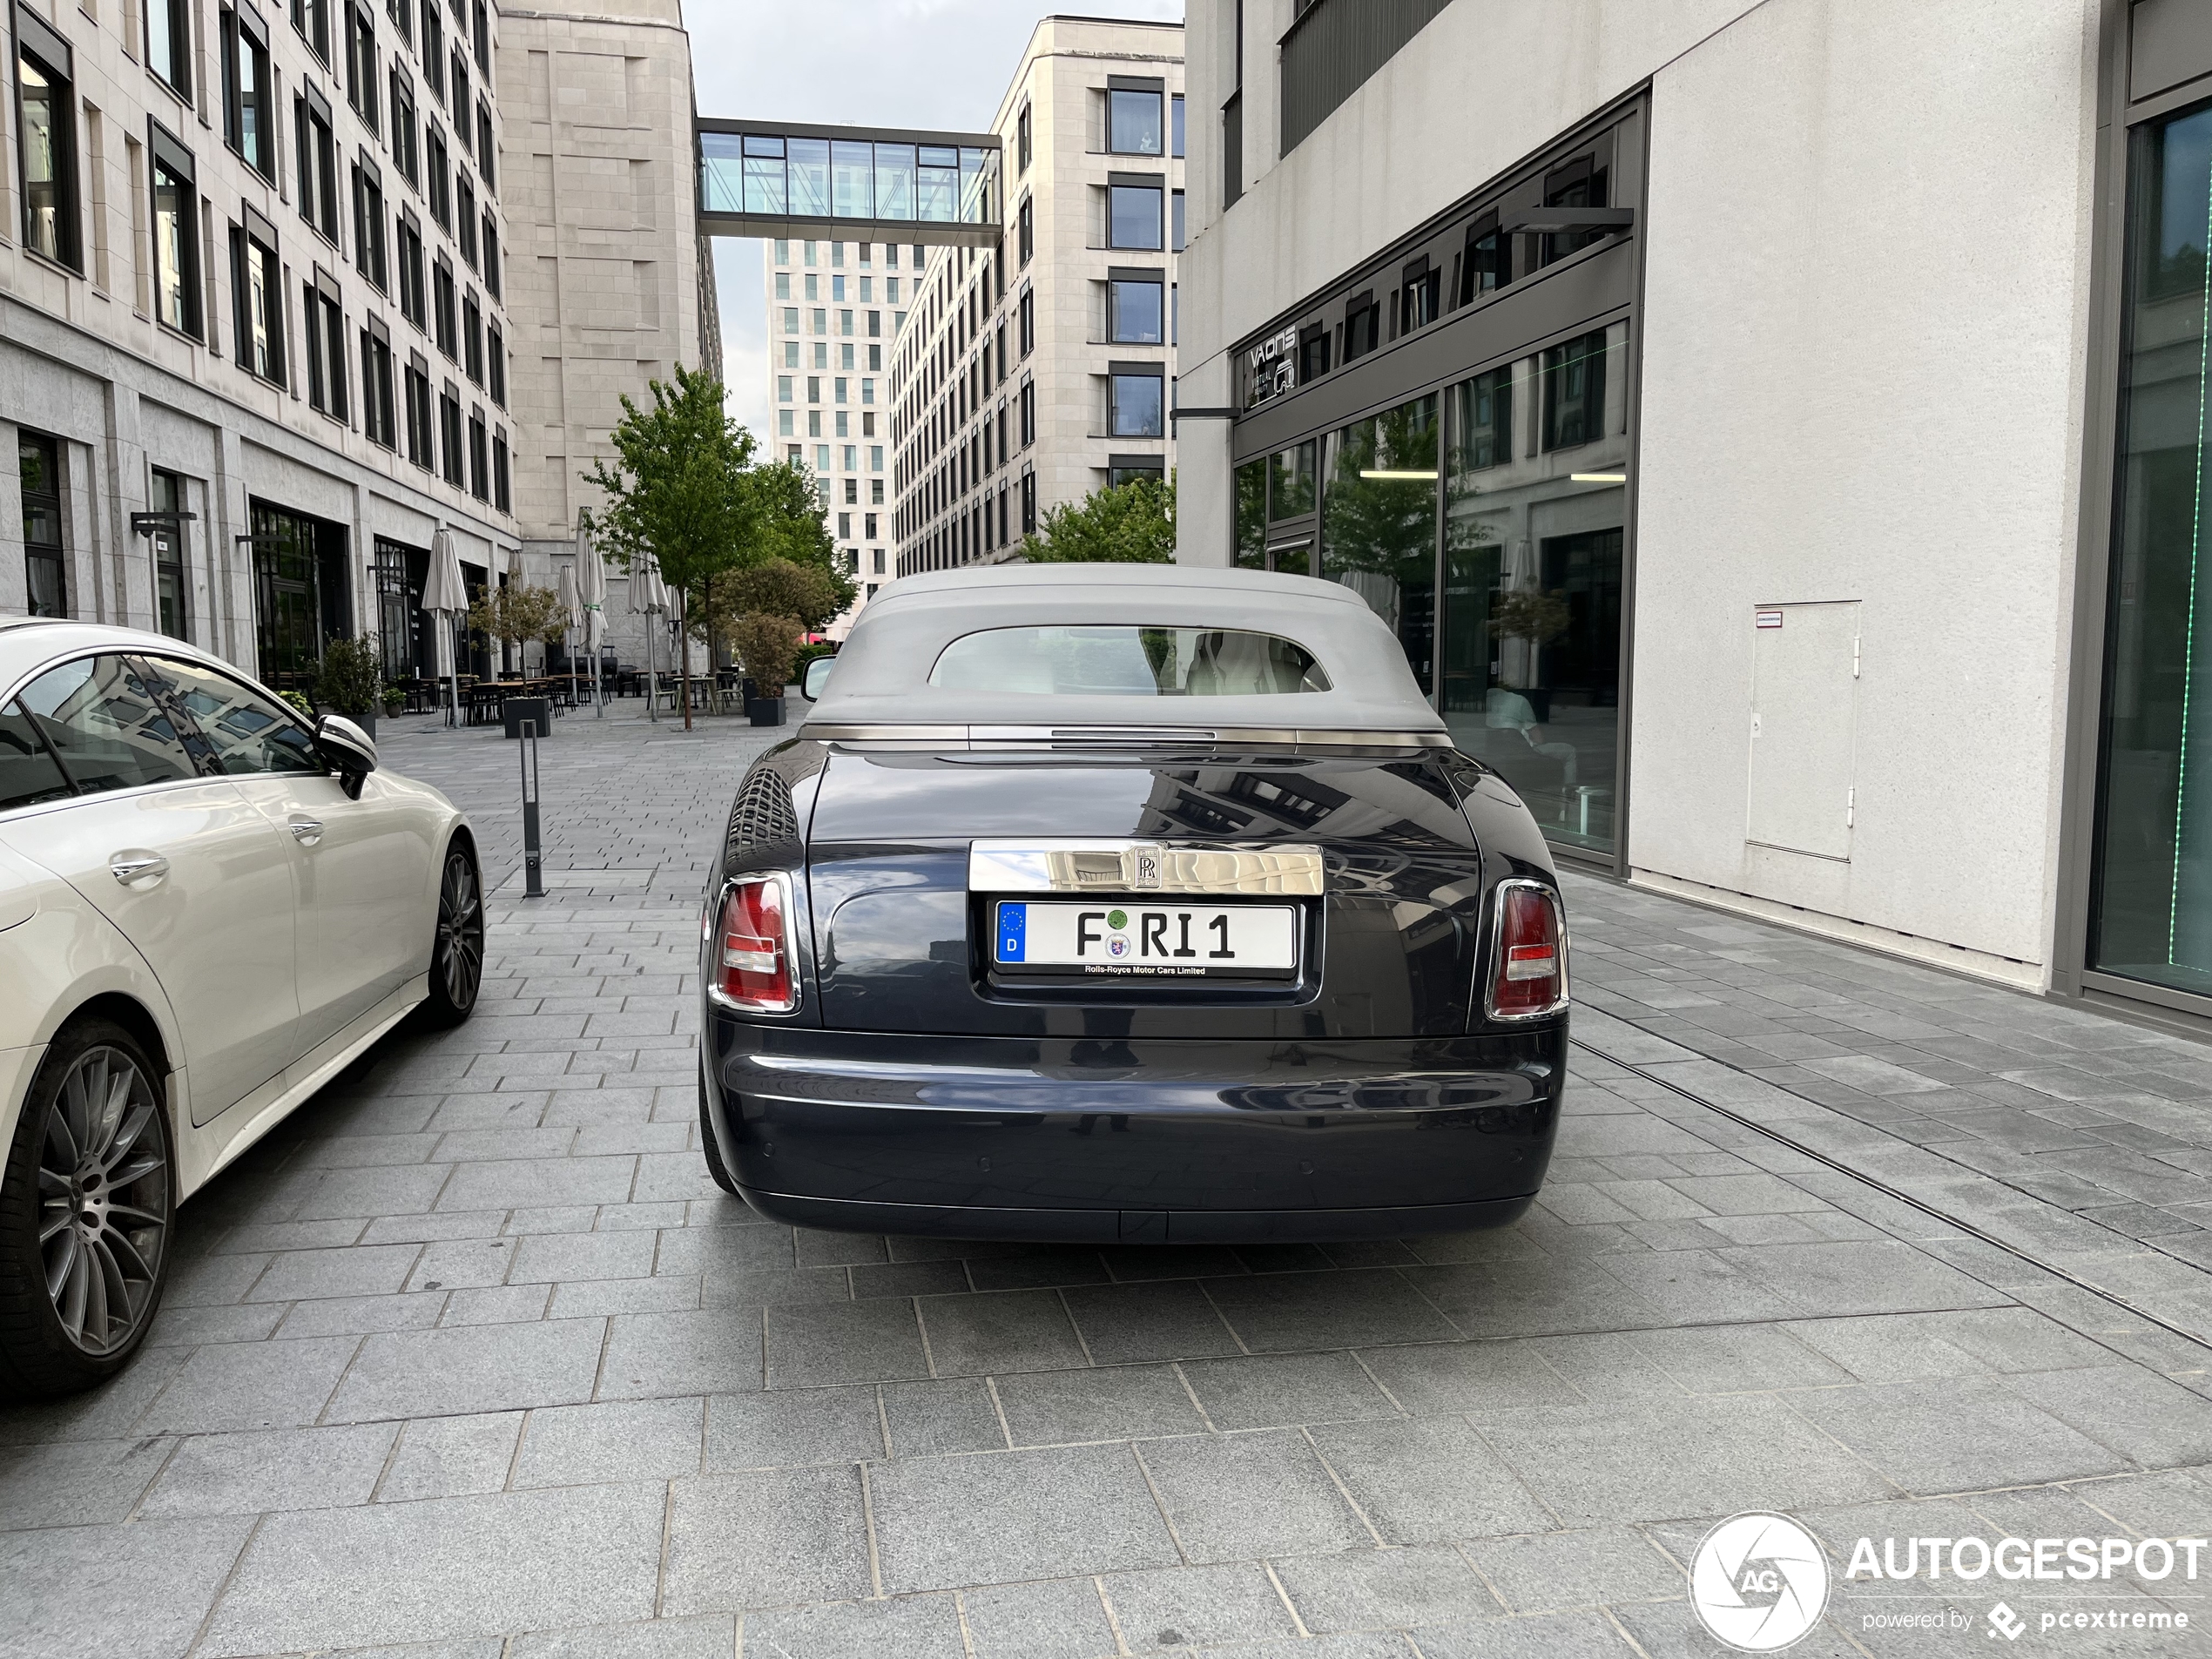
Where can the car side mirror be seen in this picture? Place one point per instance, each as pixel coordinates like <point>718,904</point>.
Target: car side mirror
<point>347,750</point>
<point>817,678</point>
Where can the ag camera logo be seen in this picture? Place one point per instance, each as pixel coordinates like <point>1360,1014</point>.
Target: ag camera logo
<point>1759,1582</point>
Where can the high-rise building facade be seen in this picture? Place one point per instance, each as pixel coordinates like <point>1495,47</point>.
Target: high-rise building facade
<point>611,283</point>
<point>1030,374</point>
<point>254,339</point>
<point>834,309</point>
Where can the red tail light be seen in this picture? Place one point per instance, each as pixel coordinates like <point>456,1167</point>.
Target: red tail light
<point>1529,975</point>
<point>753,958</point>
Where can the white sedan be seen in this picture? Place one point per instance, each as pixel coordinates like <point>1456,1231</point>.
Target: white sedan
<point>207,911</point>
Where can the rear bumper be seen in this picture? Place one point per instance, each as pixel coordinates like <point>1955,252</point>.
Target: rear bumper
<point>1104,1138</point>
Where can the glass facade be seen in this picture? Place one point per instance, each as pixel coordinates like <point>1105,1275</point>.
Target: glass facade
<point>2151,895</point>
<point>786,176</point>
<point>38,462</point>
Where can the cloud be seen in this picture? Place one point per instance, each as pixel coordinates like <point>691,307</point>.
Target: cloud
<point>941,63</point>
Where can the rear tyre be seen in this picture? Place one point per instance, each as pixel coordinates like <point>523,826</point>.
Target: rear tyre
<point>715,1167</point>
<point>457,957</point>
<point>86,1203</point>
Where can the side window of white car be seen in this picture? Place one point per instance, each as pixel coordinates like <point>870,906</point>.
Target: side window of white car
<point>29,773</point>
<point>247,732</point>
<point>105,726</point>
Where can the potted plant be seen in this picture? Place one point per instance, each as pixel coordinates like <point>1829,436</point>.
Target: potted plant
<point>768,644</point>
<point>394,700</point>
<point>351,680</point>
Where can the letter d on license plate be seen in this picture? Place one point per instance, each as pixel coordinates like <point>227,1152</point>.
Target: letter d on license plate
<point>1149,941</point>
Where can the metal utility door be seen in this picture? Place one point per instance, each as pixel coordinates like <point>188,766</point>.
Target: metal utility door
<point>1804,723</point>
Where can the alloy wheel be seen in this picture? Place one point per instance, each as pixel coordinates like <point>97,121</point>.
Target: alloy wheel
<point>104,1199</point>
<point>460,931</point>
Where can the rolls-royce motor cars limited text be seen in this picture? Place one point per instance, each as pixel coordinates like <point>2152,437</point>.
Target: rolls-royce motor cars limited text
<point>1114,902</point>
<point>209,907</point>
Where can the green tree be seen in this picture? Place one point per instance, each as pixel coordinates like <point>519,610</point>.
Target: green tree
<point>1131,524</point>
<point>678,491</point>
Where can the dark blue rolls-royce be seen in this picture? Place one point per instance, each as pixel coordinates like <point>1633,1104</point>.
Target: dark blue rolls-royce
<point>1112,902</point>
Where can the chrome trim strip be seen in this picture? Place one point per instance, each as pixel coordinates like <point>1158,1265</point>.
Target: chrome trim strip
<point>1249,870</point>
<point>1078,737</point>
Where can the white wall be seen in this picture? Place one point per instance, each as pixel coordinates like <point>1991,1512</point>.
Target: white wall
<point>1864,317</point>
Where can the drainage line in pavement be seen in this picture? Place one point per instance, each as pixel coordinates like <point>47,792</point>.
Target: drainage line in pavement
<point>1886,1188</point>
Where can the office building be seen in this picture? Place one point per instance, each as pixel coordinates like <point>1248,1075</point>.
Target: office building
<point>1771,430</point>
<point>612,285</point>
<point>254,339</point>
<point>1030,373</point>
<point>834,308</point>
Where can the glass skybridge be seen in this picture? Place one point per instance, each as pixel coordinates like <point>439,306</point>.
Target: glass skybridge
<point>864,184</point>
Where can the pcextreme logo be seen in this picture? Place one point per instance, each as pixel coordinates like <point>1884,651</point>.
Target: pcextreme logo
<point>1759,1582</point>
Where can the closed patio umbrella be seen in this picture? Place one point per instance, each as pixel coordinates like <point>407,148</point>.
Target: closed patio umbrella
<point>514,585</point>
<point>591,595</point>
<point>649,595</point>
<point>445,596</point>
<point>571,618</point>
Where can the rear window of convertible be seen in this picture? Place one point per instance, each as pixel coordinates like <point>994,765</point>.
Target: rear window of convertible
<point>1122,661</point>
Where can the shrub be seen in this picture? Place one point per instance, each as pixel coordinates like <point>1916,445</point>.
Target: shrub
<point>768,646</point>
<point>351,677</point>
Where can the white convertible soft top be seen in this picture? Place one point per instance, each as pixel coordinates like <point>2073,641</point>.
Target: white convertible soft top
<point>882,675</point>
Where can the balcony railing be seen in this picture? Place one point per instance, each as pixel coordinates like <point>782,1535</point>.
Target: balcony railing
<point>1331,49</point>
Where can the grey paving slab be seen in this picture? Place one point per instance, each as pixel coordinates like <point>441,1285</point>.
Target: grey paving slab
<point>651,1355</point>
<point>114,1592</point>
<point>1052,1619</point>
<point>919,1627</point>
<point>932,1418</point>
<point>250,1384</point>
<point>473,1368</point>
<point>766,1539</point>
<point>1385,1590</point>
<point>1550,1635</point>
<point>642,1439</point>
<point>445,1567</point>
<point>1232,1497</point>
<point>1198,1607</point>
<point>77,1482</point>
<point>1581,1568</point>
<point>708,1635</point>
<point>1003,1517</point>
<point>1271,1311</point>
<point>999,1331</point>
<point>1427,1480</point>
<point>1116,1403</point>
<point>451,1457</point>
<point>794,1427</point>
<point>877,1341</point>
<point>304,1469</point>
<point>1121,1324</point>
<point>1272,1391</point>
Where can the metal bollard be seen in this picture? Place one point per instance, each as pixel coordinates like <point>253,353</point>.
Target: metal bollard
<point>532,856</point>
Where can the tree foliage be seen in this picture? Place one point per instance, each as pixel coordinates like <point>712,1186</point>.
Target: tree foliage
<point>1133,524</point>
<point>517,612</point>
<point>768,645</point>
<point>350,679</point>
<point>676,492</point>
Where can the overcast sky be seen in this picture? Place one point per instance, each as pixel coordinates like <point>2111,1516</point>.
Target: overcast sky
<point>941,63</point>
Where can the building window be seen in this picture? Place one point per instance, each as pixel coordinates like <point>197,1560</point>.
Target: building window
<point>169,44</point>
<point>166,494</point>
<point>1487,264</point>
<point>1175,108</point>
<point>465,217</point>
<point>1362,327</point>
<point>479,456</point>
<point>481,15</point>
<point>255,282</point>
<point>434,52</point>
<point>1027,403</point>
<point>1379,520</point>
<point>419,447</point>
<point>404,155</point>
<point>412,306</point>
<point>1574,392</point>
<point>442,299</point>
<point>1025,319</point>
<point>323,321</point>
<point>1133,312</point>
<point>495,362</point>
<point>472,338</point>
<point>1137,406</point>
<point>491,255</point>
<point>1133,126</point>
<point>38,459</point>
<point>1028,503</point>
<point>1025,237</point>
<point>316,181</point>
<point>501,496</point>
<point>248,115</point>
<point>1023,142</point>
<point>45,105</point>
<point>449,433</point>
<point>361,62</point>
<point>1133,216</point>
<point>437,172</point>
<point>378,418</point>
<point>1175,225</point>
<point>312,19</point>
<point>176,236</point>
<point>369,223</point>
<point>1418,296</point>
<point>1482,421</point>
<point>457,99</point>
<point>486,148</point>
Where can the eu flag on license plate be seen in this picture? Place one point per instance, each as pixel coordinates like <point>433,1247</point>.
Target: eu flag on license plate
<point>1013,924</point>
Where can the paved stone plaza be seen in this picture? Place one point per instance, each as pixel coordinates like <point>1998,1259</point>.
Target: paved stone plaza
<point>470,1359</point>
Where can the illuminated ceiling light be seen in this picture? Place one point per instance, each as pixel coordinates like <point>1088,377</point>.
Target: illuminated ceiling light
<point>1428,477</point>
<point>1597,477</point>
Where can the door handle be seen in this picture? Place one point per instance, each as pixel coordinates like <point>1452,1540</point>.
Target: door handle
<point>131,868</point>
<point>305,831</point>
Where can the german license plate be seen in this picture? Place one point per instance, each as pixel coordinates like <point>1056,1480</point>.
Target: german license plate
<point>1147,940</point>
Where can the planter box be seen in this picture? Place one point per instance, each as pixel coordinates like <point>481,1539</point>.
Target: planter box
<point>538,710</point>
<point>765,711</point>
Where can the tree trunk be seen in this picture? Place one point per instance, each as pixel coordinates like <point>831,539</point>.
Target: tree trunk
<point>684,683</point>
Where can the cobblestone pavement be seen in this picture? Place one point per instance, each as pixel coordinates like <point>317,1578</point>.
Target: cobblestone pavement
<point>469,1358</point>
